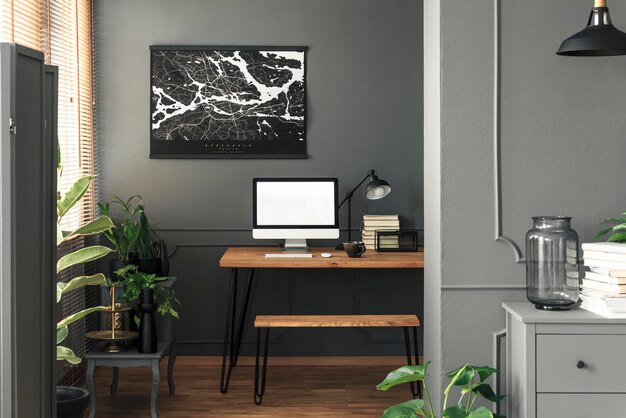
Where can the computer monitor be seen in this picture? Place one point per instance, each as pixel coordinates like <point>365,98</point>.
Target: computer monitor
<point>295,209</point>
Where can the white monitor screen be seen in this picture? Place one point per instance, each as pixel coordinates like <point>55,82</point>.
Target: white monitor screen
<point>296,203</point>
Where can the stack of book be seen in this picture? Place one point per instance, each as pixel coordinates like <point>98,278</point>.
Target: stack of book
<point>373,223</point>
<point>604,285</point>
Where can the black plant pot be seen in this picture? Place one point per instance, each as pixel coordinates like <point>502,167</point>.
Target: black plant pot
<point>149,265</point>
<point>71,402</point>
<point>147,325</point>
<point>165,263</point>
<point>115,265</point>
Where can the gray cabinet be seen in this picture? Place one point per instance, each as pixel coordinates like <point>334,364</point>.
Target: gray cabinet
<point>564,364</point>
<point>27,232</point>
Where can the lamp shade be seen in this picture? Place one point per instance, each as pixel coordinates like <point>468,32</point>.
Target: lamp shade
<point>599,38</point>
<point>377,188</point>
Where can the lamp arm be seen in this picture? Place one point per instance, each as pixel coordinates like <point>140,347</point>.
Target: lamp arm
<point>351,192</point>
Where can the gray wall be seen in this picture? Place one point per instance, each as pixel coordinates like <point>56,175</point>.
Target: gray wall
<point>364,88</point>
<point>563,147</point>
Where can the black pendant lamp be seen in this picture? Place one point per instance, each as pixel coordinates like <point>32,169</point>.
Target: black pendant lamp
<point>599,38</point>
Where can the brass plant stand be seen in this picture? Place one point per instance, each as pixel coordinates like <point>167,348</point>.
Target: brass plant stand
<point>116,334</point>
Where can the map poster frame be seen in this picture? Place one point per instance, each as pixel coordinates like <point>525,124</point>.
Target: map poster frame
<point>228,102</point>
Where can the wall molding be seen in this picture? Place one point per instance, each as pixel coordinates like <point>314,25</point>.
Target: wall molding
<point>497,160</point>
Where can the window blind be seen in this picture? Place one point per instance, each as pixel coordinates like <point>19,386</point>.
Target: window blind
<point>61,29</point>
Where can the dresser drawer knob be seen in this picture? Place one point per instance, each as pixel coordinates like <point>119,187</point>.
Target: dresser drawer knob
<point>581,364</point>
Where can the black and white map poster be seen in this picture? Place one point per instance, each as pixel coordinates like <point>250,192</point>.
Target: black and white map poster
<point>227,102</point>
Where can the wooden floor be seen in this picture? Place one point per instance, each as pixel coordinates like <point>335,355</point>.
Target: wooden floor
<point>325,389</point>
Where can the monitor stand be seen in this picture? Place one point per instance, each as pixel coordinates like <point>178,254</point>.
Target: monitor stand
<point>295,245</point>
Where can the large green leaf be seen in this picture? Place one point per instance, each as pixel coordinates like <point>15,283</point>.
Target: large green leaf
<point>80,281</point>
<point>78,315</point>
<point>403,375</point>
<point>73,195</point>
<point>456,411</point>
<point>409,409</point>
<point>484,389</point>
<point>620,237</point>
<point>461,376</point>
<point>469,372</point>
<point>97,226</point>
<point>64,353</point>
<point>82,256</point>
<point>480,412</point>
<point>62,333</point>
<point>484,372</point>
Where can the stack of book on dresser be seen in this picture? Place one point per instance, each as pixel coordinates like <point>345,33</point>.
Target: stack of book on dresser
<point>604,285</point>
<point>373,223</point>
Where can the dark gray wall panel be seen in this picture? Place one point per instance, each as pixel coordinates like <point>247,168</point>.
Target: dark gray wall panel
<point>364,92</point>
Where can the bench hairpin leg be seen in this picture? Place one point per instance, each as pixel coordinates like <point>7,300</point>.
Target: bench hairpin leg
<point>407,345</point>
<point>258,392</point>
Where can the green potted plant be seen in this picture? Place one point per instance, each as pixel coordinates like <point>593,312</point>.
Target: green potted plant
<point>137,288</point>
<point>147,245</point>
<point>618,231</point>
<point>471,380</point>
<point>72,401</point>
<point>125,232</point>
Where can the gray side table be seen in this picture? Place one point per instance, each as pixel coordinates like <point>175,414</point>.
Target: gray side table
<point>131,358</point>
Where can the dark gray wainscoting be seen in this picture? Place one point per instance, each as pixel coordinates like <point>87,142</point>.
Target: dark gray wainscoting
<point>202,288</point>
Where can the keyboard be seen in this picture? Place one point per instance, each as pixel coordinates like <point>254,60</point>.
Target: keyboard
<point>289,255</point>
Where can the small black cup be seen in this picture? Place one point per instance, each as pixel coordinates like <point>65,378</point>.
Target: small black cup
<point>354,249</point>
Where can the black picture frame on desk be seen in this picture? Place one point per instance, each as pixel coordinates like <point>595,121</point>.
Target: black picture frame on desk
<point>228,102</point>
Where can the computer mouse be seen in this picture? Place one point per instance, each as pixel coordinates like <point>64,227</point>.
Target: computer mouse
<point>326,255</point>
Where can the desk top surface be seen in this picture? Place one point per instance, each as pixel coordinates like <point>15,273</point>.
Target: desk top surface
<point>254,257</point>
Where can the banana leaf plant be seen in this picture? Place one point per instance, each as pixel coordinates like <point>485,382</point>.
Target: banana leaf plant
<point>471,380</point>
<point>97,226</point>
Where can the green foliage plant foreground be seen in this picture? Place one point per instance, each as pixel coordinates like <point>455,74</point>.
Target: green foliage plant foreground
<point>99,225</point>
<point>471,380</point>
<point>618,231</point>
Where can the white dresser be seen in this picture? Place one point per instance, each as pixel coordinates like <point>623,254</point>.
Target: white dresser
<point>568,364</point>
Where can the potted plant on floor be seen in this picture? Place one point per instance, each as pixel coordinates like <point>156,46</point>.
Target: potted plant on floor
<point>72,401</point>
<point>124,234</point>
<point>470,379</point>
<point>141,290</point>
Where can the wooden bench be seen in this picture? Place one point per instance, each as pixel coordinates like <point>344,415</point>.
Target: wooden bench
<point>330,321</point>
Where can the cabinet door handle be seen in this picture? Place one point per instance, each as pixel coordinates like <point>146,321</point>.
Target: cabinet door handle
<point>581,364</point>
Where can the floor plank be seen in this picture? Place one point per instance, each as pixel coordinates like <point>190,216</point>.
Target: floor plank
<point>292,391</point>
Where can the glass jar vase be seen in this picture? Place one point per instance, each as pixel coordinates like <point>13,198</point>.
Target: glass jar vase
<point>552,270</point>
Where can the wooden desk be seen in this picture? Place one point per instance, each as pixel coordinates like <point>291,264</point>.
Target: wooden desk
<point>254,257</point>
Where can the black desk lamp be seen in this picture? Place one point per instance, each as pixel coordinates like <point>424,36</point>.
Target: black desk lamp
<point>375,189</point>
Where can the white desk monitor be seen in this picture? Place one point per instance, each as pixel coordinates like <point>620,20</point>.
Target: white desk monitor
<point>295,209</point>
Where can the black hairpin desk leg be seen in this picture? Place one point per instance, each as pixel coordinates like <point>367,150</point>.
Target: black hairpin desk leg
<point>232,335</point>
